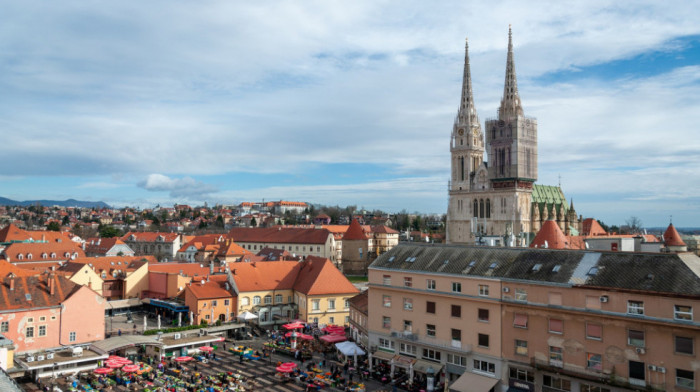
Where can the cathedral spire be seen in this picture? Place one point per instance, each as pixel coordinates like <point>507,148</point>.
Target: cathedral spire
<point>510,103</point>
<point>467,112</point>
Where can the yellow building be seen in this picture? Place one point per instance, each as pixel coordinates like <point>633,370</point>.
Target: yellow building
<point>117,277</point>
<point>313,290</point>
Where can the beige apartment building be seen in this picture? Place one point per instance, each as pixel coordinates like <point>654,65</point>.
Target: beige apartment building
<point>300,242</point>
<point>516,319</point>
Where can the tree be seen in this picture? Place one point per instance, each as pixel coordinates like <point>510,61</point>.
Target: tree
<point>109,232</point>
<point>634,225</point>
<point>219,221</point>
<point>253,222</point>
<point>53,226</point>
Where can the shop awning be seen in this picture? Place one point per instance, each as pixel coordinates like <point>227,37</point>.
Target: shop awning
<point>383,355</point>
<point>422,366</point>
<point>333,338</point>
<point>472,382</point>
<point>123,303</point>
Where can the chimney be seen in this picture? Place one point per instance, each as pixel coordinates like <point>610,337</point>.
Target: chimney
<point>12,281</point>
<point>52,284</point>
<point>211,268</point>
<point>43,238</point>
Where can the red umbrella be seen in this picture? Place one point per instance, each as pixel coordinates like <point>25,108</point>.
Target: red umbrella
<point>113,364</point>
<point>114,357</point>
<point>206,348</point>
<point>283,369</point>
<point>123,361</point>
<point>183,359</point>
<point>290,365</point>
<point>333,338</point>
<point>103,370</point>
<point>130,368</point>
<point>305,337</point>
<point>293,326</point>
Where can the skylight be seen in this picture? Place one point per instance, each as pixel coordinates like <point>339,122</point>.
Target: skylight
<point>537,267</point>
<point>28,296</point>
<point>391,259</point>
<point>593,271</point>
<point>472,263</point>
<point>493,265</point>
<point>556,268</point>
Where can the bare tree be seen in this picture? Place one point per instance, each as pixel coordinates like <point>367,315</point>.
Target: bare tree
<point>634,225</point>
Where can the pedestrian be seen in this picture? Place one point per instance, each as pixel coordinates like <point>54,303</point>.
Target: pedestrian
<point>240,359</point>
<point>224,346</point>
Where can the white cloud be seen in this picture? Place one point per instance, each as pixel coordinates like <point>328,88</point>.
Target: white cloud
<point>185,187</point>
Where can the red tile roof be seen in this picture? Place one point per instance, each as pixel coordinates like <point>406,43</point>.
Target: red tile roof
<point>384,229</point>
<point>149,236</point>
<point>214,288</point>
<point>591,227</point>
<point>13,233</point>
<point>37,249</point>
<point>114,263</point>
<point>7,268</point>
<point>360,302</point>
<point>672,238</point>
<point>318,276</point>
<point>269,275</point>
<point>102,245</point>
<point>38,289</point>
<point>279,235</point>
<point>550,236</point>
<point>354,232</point>
<point>188,269</point>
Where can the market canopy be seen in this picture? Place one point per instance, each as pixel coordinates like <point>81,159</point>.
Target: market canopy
<point>349,348</point>
<point>293,326</point>
<point>247,316</point>
<point>333,338</point>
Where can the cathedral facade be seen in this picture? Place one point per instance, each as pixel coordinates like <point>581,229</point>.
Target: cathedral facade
<point>498,200</point>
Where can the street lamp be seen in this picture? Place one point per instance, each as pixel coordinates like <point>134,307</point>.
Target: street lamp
<point>430,372</point>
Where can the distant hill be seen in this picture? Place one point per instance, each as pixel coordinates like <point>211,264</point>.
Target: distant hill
<point>50,203</point>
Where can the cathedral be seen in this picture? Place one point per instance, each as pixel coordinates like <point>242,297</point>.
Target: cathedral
<point>497,202</point>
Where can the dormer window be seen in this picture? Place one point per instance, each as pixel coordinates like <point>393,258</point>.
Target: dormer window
<point>44,256</point>
<point>29,256</point>
<point>20,257</point>
<point>67,255</point>
<point>53,255</point>
<point>104,275</point>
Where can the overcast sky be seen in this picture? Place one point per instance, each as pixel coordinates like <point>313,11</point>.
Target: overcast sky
<point>335,102</point>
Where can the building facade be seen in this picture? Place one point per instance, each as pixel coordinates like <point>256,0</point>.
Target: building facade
<point>538,319</point>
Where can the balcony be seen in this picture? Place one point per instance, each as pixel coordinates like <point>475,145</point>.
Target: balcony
<point>405,335</point>
<point>605,377</point>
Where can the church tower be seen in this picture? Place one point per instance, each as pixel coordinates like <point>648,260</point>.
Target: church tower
<point>492,200</point>
<point>467,154</point>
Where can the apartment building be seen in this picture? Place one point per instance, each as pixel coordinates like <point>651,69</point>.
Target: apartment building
<point>298,241</point>
<point>507,319</point>
<point>163,245</point>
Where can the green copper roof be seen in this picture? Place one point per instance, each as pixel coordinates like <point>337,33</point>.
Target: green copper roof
<point>547,194</point>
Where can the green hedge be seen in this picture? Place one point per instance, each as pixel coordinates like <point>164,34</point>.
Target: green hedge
<point>176,329</point>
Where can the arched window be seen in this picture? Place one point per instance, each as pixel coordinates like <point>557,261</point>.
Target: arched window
<point>476,208</point>
<point>461,167</point>
<point>256,300</point>
<point>245,301</point>
<point>20,257</point>
<point>29,256</point>
<point>268,299</point>
<point>53,255</point>
<point>44,256</point>
<point>481,208</point>
<point>488,208</point>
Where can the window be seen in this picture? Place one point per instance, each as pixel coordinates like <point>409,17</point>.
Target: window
<point>682,312</point>
<point>278,298</point>
<point>72,337</point>
<point>387,301</point>
<point>5,326</point>
<point>456,287</point>
<point>268,299</point>
<point>408,282</point>
<point>684,345</point>
<point>520,320</point>
<point>347,319</point>
<point>430,307</point>
<point>483,290</point>
<point>431,355</point>
<point>430,284</point>
<point>594,331</point>
<point>456,311</point>
<point>256,300</point>
<point>556,356</point>
<point>213,303</point>
<point>430,330</point>
<point>484,315</point>
<point>556,383</point>
<point>315,304</point>
<point>386,344</point>
<point>456,335</point>
<point>483,366</point>
<point>42,318</point>
<point>635,307</point>
<point>30,320</point>
<point>331,304</point>
<point>207,317</point>
<point>386,279</point>
<point>245,301</point>
<point>521,347</point>
<point>556,326</point>
<point>520,295</point>
<point>331,320</point>
<point>29,332</point>
<point>408,304</point>
<point>521,374</point>
<point>347,304</point>
<point>407,349</point>
<point>483,340</point>
<point>635,338</point>
<point>457,360</point>
<point>386,322</point>
<point>226,302</point>
<point>593,388</point>
<point>42,330</point>
<point>595,362</point>
<point>685,379</point>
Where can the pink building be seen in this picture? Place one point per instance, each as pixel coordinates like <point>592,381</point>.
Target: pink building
<point>507,319</point>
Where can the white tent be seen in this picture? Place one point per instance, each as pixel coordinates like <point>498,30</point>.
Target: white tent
<point>350,348</point>
<point>247,316</point>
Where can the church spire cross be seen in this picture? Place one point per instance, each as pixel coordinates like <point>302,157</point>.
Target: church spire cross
<point>510,103</point>
<point>467,112</point>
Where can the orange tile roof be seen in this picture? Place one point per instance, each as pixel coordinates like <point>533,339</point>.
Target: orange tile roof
<point>37,268</point>
<point>36,249</point>
<point>550,236</point>
<point>672,238</point>
<point>149,236</point>
<point>279,235</point>
<point>13,233</point>
<point>102,245</point>
<point>354,232</point>
<point>7,268</point>
<point>188,269</point>
<point>38,289</point>
<point>383,229</point>
<point>268,275</point>
<point>200,240</point>
<point>318,275</point>
<point>214,288</point>
<point>113,263</point>
<point>591,227</point>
